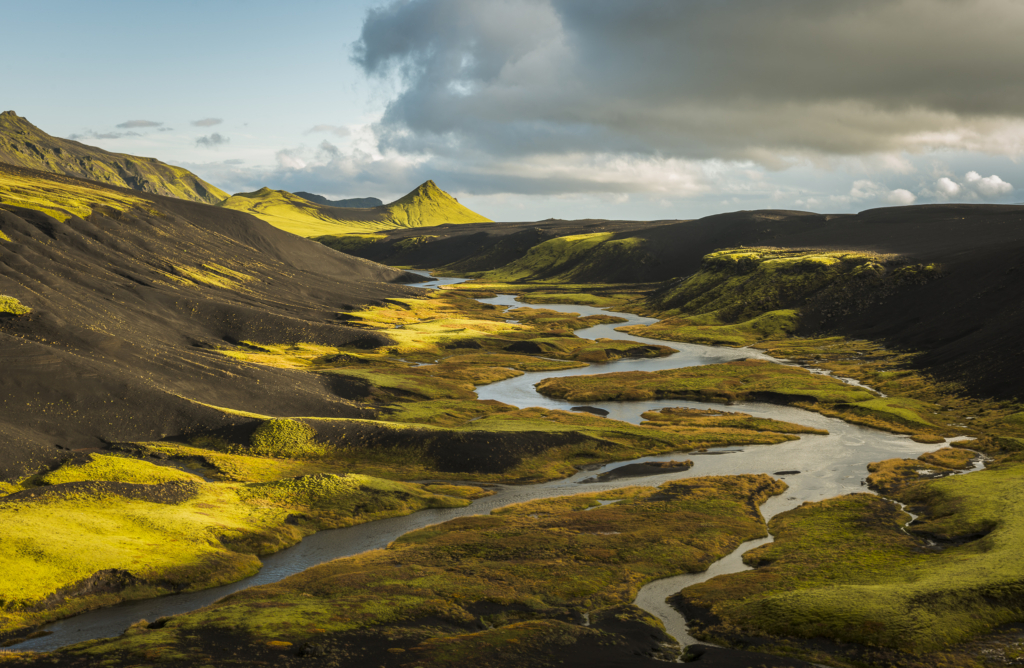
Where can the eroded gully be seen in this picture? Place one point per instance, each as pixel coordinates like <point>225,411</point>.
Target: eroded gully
<point>828,466</point>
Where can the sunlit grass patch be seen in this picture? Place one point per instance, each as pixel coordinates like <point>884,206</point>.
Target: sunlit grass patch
<point>12,306</point>
<point>843,568</point>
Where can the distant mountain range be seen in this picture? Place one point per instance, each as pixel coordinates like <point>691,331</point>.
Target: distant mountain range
<point>425,206</point>
<point>354,203</point>
<point>24,145</point>
<point>305,214</point>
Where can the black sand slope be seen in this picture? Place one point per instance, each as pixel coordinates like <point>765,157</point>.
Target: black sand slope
<point>127,306</point>
<point>969,322</point>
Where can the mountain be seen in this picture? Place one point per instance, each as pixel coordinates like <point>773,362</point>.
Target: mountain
<point>426,206</point>
<point>119,310</point>
<point>24,145</point>
<point>354,203</point>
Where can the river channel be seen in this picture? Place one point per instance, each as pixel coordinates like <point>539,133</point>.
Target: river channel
<point>828,466</point>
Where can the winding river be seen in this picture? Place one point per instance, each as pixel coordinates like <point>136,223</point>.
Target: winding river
<point>828,466</point>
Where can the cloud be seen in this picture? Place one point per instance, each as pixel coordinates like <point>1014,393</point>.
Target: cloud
<point>864,190</point>
<point>989,186</point>
<point>948,187</point>
<point>207,122</point>
<point>775,83</point>
<point>213,140</point>
<point>901,197</point>
<point>139,124</point>
<point>91,134</point>
<point>337,130</point>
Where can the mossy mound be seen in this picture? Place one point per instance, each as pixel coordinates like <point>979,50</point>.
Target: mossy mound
<point>286,438</point>
<point>114,469</point>
<point>12,306</point>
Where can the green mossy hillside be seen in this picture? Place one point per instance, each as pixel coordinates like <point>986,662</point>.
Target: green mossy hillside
<point>742,296</point>
<point>563,259</point>
<point>62,198</point>
<point>25,145</point>
<point>485,588</point>
<point>844,569</point>
<point>426,206</point>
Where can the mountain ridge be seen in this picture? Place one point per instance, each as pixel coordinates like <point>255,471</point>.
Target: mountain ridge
<point>426,206</point>
<point>351,203</point>
<point>22,144</point>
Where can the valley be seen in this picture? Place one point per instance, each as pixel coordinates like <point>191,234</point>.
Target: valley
<point>248,431</point>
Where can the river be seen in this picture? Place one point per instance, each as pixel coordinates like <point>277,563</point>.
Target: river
<point>828,466</point>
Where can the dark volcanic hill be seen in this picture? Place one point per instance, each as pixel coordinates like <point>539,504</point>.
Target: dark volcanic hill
<point>354,203</point>
<point>968,322</point>
<point>25,145</point>
<point>129,297</point>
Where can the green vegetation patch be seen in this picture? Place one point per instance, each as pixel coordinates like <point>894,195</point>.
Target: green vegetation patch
<point>742,296</point>
<point>844,569</point>
<point>732,381</point>
<point>62,199</point>
<point>696,418</point>
<point>524,567</point>
<point>350,495</point>
<point>709,329</point>
<point>114,469</point>
<point>561,259</point>
<point>286,438</point>
<point>12,306</point>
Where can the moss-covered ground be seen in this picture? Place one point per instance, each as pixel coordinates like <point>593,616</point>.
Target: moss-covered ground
<point>845,569</point>
<point>500,590</point>
<point>162,529</point>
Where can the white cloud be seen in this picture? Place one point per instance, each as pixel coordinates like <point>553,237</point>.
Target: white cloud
<point>336,130</point>
<point>139,124</point>
<point>864,190</point>
<point>207,122</point>
<point>948,187</point>
<point>990,186</point>
<point>901,197</point>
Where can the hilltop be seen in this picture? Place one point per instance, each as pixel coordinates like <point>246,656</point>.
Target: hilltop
<point>426,206</point>
<point>114,304</point>
<point>24,145</point>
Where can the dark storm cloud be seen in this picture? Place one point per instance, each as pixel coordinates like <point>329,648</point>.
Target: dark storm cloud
<point>213,140</point>
<point>730,79</point>
<point>207,122</point>
<point>139,124</point>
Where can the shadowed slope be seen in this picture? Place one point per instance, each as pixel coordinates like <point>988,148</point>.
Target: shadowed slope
<point>25,145</point>
<point>127,298</point>
<point>426,206</point>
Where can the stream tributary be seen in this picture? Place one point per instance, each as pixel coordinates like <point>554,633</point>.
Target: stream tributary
<point>828,466</point>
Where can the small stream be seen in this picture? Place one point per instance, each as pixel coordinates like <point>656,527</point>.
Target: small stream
<point>828,466</point>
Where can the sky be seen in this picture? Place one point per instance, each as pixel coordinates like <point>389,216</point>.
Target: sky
<point>535,109</point>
